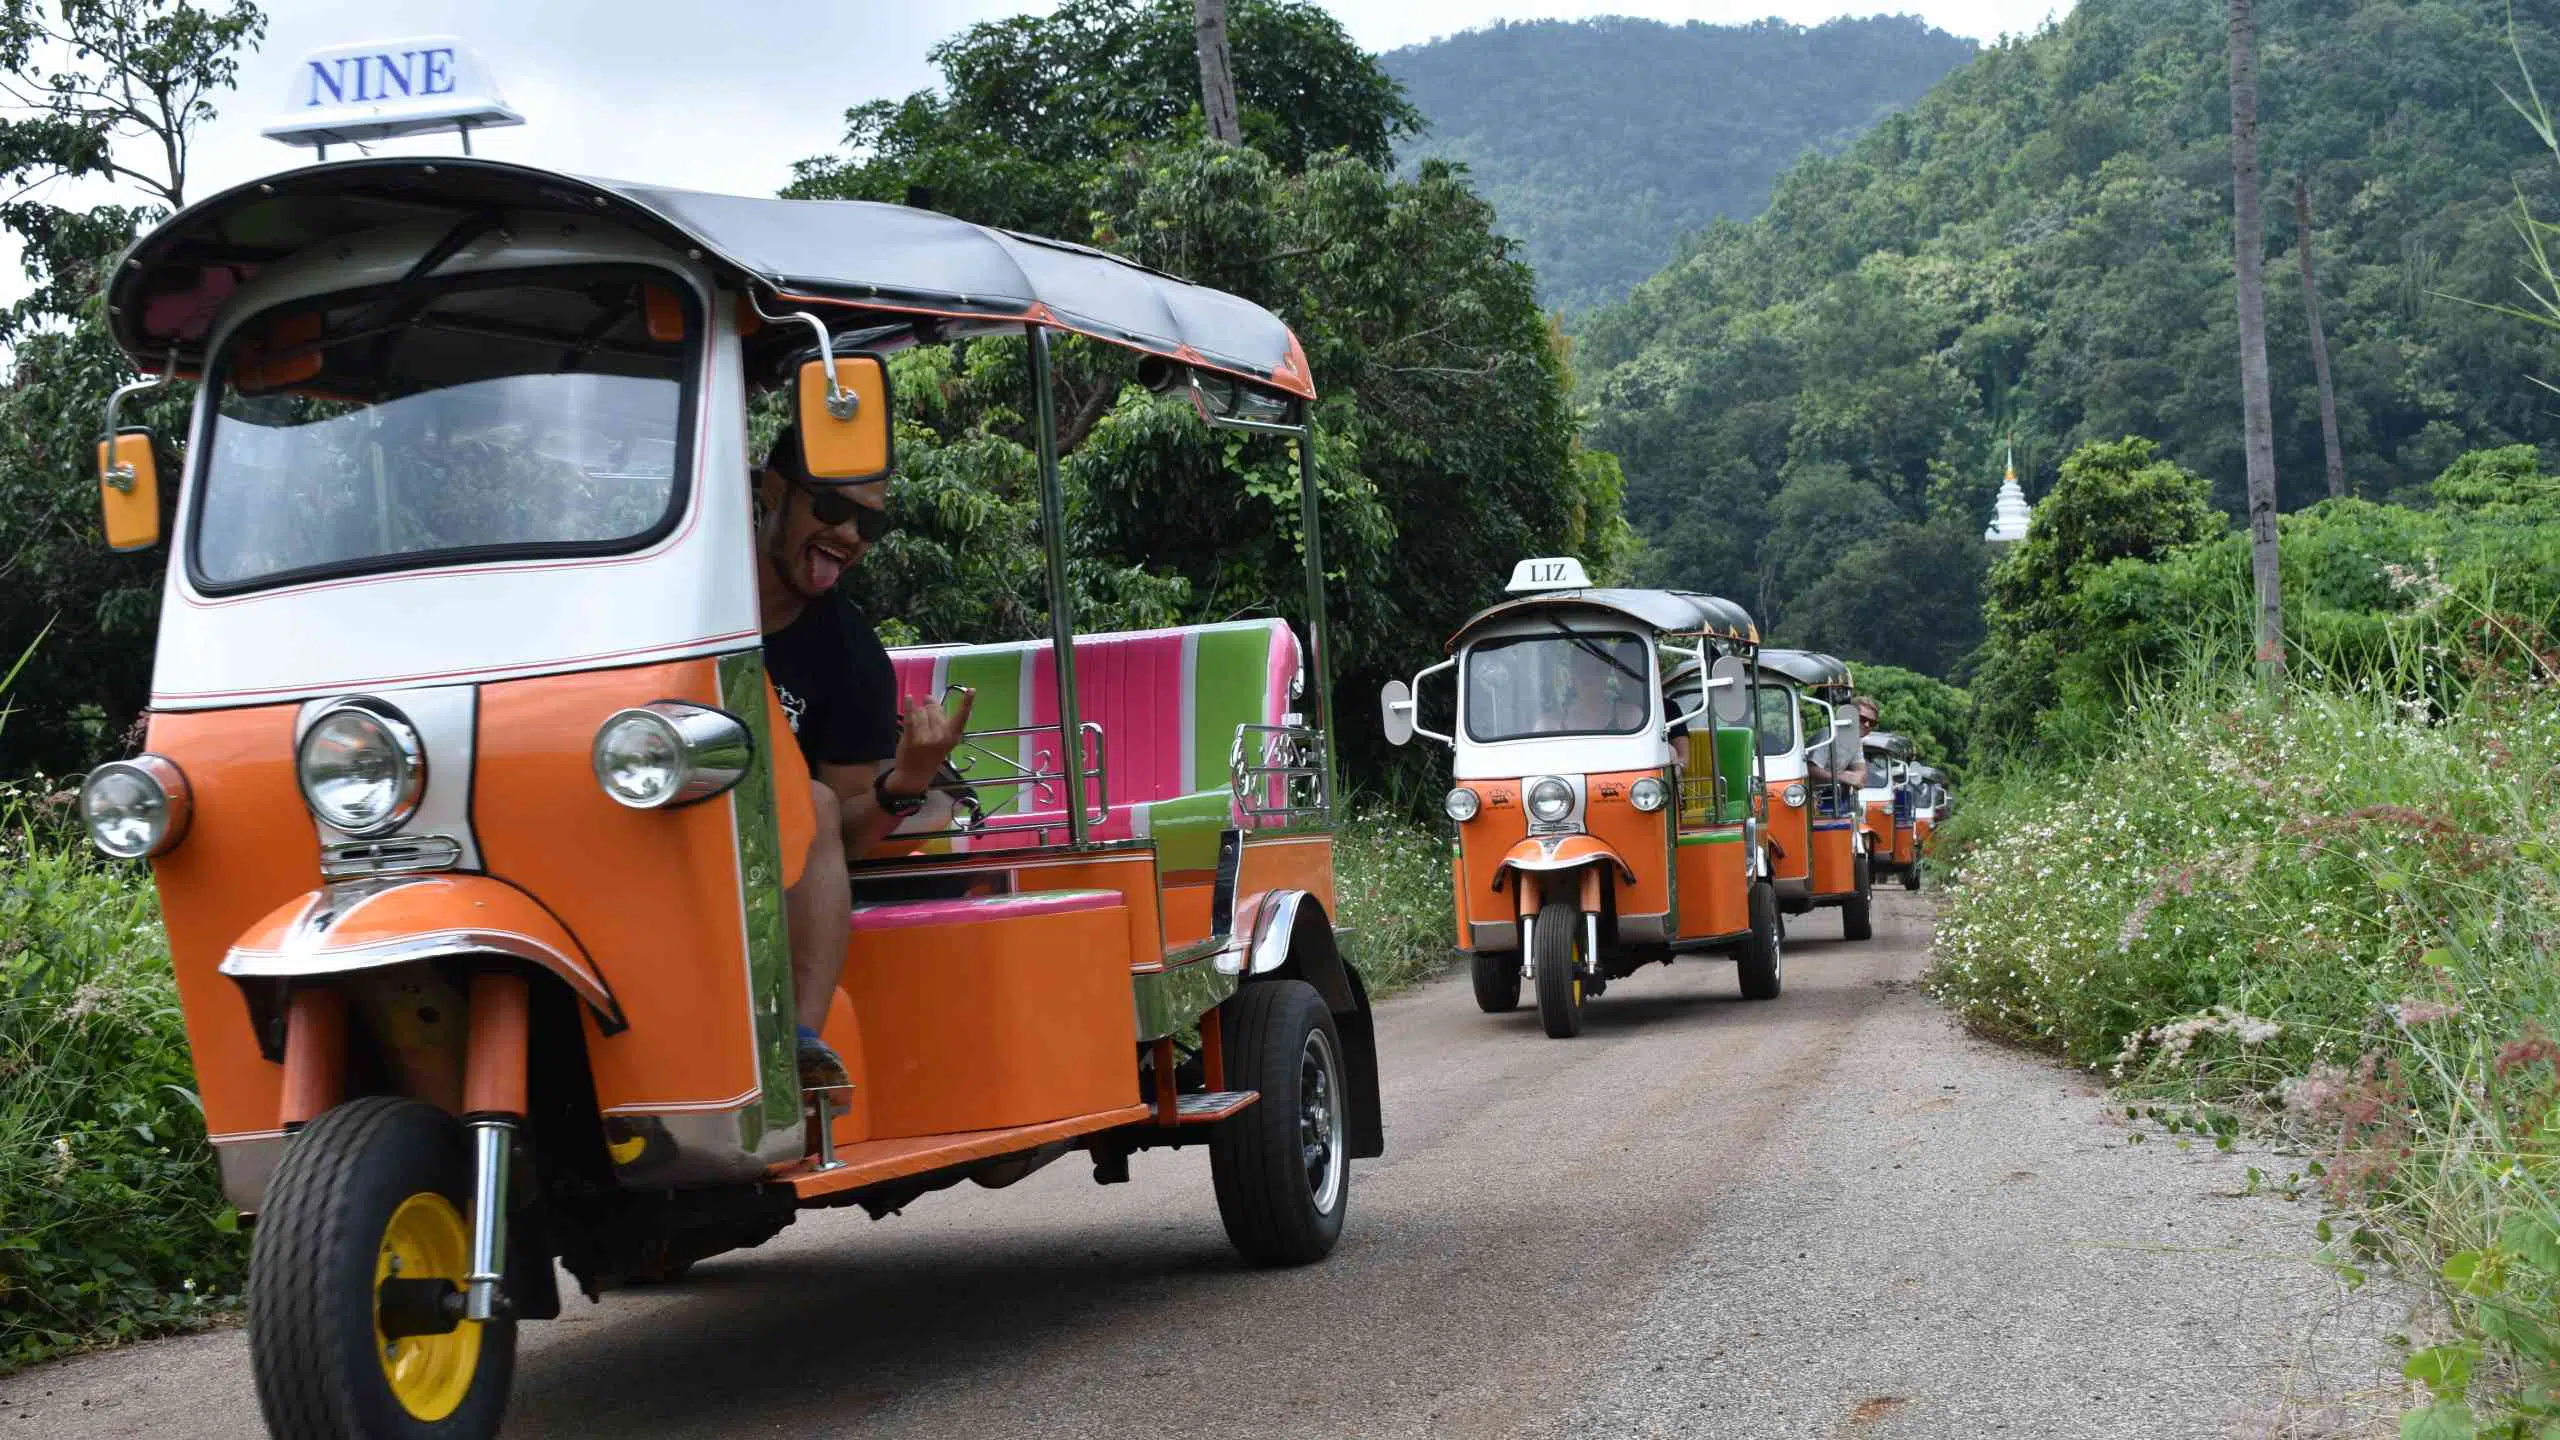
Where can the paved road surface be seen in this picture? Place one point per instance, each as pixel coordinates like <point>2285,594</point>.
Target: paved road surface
<point>1833,1215</point>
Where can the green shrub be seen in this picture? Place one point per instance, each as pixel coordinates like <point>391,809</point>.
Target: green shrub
<point>112,1224</point>
<point>2335,910</point>
<point>1391,882</point>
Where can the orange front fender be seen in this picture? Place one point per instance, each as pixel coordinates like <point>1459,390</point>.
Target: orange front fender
<point>430,917</point>
<point>1540,853</point>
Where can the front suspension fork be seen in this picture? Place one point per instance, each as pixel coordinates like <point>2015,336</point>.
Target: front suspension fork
<point>1531,887</point>
<point>493,1107</point>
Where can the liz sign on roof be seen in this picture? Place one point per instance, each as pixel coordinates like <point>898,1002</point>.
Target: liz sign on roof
<point>379,90</point>
<point>1558,572</point>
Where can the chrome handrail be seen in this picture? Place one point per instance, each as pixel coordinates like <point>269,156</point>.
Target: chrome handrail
<point>1293,755</point>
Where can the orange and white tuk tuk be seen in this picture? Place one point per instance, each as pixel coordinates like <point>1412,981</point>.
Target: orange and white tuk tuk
<point>1889,805</point>
<point>1808,733</point>
<point>1604,781</point>
<point>1929,809</point>
<point>460,787</point>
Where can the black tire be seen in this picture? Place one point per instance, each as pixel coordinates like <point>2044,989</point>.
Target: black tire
<point>1857,913</point>
<point>1760,963</point>
<point>1553,943</point>
<point>1281,1201</point>
<point>313,1316</point>
<point>1911,877</point>
<point>1497,977</point>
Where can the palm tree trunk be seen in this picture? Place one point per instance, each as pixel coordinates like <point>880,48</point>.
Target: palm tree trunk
<point>2319,341</point>
<point>2249,262</point>
<point>1217,80</point>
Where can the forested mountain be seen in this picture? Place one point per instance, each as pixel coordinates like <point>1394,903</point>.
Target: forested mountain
<point>1812,407</point>
<point>1602,142</point>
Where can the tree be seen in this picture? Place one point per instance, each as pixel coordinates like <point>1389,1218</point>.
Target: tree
<point>2319,341</point>
<point>2249,258</point>
<point>1217,80</point>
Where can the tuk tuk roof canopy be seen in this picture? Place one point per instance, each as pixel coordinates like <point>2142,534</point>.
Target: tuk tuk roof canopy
<point>1885,742</point>
<point>887,264</point>
<point>1805,667</point>
<point>1670,612</point>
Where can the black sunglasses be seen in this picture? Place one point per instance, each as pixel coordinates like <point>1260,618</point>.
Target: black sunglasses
<point>832,507</point>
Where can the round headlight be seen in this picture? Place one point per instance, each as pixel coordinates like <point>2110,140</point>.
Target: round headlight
<point>1550,800</point>
<point>670,753</point>
<point>1462,804</point>
<point>1794,795</point>
<point>134,808</point>
<point>1648,794</point>
<point>362,768</point>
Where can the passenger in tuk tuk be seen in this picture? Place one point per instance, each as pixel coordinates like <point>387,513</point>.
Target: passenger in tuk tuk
<point>1853,775</point>
<point>836,690</point>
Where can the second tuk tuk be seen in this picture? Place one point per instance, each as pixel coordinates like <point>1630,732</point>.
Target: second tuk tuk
<point>1604,790</point>
<point>1808,738</point>
<point>472,811</point>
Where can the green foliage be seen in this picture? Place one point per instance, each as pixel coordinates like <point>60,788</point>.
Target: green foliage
<point>112,1224</point>
<point>2039,251</point>
<point>2329,910</point>
<point>1030,105</point>
<point>1602,142</point>
<point>1391,878</point>
<point>2507,481</point>
<point>1933,714</point>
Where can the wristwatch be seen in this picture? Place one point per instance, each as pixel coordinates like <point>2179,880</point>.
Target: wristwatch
<point>901,806</point>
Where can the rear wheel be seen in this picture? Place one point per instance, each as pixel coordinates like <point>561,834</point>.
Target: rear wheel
<point>1497,977</point>
<point>1282,1167</point>
<point>1761,963</point>
<point>1911,876</point>
<point>1857,916</point>
<point>1559,977</point>
<point>355,1278</point>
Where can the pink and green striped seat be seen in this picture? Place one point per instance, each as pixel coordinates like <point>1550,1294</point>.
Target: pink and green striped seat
<point>1169,703</point>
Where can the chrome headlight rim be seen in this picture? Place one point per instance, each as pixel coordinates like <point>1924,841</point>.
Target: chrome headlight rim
<point>710,752</point>
<point>404,743</point>
<point>171,798</point>
<point>1462,804</point>
<point>1548,788</point>
<point>1794,795</point>
<point>1648,794</point>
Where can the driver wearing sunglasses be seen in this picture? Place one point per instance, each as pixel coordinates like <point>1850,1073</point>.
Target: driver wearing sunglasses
<point>867,766</point>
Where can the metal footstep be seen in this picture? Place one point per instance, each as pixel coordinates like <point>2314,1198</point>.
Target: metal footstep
<point>1207,1107</point>
<point>821,1108</point>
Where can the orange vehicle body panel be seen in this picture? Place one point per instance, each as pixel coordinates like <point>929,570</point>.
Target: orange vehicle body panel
<point>1278,862</point>
<point>1921,832</point>
<point>990,1024</point>
<point>652,895</point>
<point>872,1161</point>
<point>421,905</point>
<point>1642,841</point>
<point>1715,885</point>
<point>1835,859</point>
<point>1879,827</point>
<point>1789,829</point>
<point>1483,843</point>
<point>249,848</point>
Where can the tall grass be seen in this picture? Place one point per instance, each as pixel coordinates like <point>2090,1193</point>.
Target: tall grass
<point>1391,885</point>
<point>2332,912</point>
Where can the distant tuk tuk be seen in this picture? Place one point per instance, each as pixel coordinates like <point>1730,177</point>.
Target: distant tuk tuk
<point>1808,741</point>
<point>460,785</point>
<point>1890,803</point>
<point>1603,784</point>
<point>1929,809</point>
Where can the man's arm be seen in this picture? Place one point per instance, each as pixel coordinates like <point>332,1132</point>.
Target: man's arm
<point>927,739</point>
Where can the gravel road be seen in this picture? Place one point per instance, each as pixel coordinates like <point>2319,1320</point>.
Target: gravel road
<point>1833,1215</point>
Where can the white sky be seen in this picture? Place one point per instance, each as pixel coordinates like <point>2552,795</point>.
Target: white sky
<point>725,96</point>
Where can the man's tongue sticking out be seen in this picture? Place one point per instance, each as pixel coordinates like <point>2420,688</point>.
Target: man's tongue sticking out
<point>825,567</point>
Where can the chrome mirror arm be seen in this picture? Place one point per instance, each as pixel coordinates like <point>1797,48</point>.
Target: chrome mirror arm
<point>841,403</point>
<point>118,473</point>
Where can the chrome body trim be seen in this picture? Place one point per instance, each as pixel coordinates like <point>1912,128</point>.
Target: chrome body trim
<point>247,1162</point>
<point>391,855</point>
<point>446,721</point>
<point>770,1129</point>
<point>1644,929</point>
<point>1174,998</point>
<point>1571,824</point>
<point>674,1149</point>
<point>1494,935</point>
<point>1796,888</point>
<point>1295,757</point>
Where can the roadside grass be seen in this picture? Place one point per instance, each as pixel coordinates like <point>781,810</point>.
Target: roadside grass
<point>112,1224</point>
<point>2331,913</point>
<point>1391,887</point>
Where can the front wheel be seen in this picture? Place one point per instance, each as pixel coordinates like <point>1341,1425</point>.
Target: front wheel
<point>363,1240</point>
<point>1497,977</point>
<point>1761,963</point>
<point>1282,1168</point>
<point>1857,913</point>
<point>1551,952</point>
<point>1911,877</point>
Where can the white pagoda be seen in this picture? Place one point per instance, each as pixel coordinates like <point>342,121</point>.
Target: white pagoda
<point>2009,512</point>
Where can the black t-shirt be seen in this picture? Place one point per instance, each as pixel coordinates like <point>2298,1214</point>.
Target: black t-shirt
<point>836,685</point>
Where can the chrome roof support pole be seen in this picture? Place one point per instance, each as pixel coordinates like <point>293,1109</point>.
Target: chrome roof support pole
<point>1319,636</point>
<point>1062,620</point>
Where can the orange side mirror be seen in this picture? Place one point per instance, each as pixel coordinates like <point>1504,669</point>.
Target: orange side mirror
<point>845,429</point>
<point>129,490</point>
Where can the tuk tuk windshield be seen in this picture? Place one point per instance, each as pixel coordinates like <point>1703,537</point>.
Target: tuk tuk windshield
<point>488,417</point>
<point>1776,720</point>
<point>1529,686</point>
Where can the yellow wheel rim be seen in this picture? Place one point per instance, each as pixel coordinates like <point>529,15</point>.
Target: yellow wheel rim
<point>429,1374</point>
